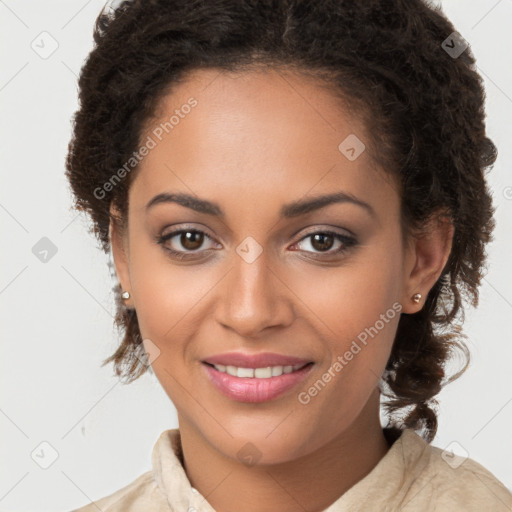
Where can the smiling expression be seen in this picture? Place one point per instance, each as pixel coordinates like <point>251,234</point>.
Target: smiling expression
<point>224,256</point>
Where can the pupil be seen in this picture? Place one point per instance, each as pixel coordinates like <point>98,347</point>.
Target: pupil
<point>323,246</point>
<point>191,240</point>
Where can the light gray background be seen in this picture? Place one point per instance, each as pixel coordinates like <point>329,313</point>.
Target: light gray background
<point>56,317</point>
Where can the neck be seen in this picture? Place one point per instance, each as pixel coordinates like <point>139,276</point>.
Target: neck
<point>329,471</point>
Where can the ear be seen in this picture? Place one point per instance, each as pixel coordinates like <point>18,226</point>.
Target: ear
<point>427,255</point>
<point>119,245</point>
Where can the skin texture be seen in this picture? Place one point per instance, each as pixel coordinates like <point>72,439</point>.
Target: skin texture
<point>254,142</point>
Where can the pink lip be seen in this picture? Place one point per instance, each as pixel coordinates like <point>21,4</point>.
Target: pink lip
<point>246,389</point>
<point>261,360</point>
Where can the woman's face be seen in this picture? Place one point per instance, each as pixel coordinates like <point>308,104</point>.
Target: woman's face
<point>251,277</point>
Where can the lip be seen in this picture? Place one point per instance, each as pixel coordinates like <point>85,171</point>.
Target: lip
<point>245,389</point>
<point>261,360</point>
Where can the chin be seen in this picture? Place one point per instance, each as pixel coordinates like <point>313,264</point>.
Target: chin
<point>259,443</point>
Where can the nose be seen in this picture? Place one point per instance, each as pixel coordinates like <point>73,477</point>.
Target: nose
<point>254,298</point>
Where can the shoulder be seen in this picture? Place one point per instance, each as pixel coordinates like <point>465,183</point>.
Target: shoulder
<point>140,495</point>
<point>451,482</point>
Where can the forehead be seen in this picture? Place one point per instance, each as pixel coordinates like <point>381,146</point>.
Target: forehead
<point>270,134</point>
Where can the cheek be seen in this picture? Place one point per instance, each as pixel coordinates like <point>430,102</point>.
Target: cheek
<point>165,295</point>
<point>343,301</point>
<point>356,312</point>
<point>167,303</point>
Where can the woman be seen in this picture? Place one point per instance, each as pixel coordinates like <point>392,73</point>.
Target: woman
<point>294,197</point>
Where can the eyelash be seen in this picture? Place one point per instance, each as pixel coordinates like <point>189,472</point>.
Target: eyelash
<point>347,242</point>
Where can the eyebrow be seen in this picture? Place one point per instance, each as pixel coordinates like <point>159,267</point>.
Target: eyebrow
<point>290,210</point>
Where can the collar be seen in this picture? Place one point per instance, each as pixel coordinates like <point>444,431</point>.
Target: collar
<point>405,453</point>
<point>170,476</point>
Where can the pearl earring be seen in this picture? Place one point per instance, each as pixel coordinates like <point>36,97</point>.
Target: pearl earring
<point>416,297</point>
<point>125,295</point>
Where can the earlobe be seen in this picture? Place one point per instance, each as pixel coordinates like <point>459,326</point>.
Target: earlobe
<point>430,251</point>
<point>119,257</point>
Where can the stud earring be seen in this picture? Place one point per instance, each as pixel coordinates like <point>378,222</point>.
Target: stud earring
<point>416,297</point>
<point>125,295</point>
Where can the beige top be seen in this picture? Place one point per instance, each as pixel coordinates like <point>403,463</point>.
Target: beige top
<point>412,476</point>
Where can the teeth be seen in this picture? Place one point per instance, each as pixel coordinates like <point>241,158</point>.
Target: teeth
<point>259,373</point>
<point>276,371</point>
<point>231,370</point>
<point>245,372</point>
<point>263,373</point>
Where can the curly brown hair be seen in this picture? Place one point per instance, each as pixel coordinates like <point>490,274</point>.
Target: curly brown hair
<point>424,109</point>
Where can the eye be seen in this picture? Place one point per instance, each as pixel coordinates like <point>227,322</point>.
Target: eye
<point>323,241</point>
<point>190,240</point>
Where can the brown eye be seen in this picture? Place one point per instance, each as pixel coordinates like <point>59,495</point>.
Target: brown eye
<point>191,240</point>
<point>185,242</point>
<point>322,241</point>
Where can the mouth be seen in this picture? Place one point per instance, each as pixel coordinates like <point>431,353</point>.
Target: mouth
<point>257,378</point>
<point>266,372</point>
